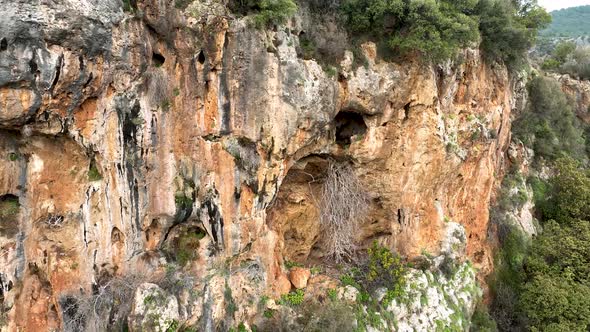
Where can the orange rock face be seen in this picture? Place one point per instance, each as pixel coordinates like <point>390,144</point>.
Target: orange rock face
<point>123,137</point>
<point>579,94</point>
<point>299,277</point>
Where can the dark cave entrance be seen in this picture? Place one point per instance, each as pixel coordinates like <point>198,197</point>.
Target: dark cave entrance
<point>158,59</point>
<point>9,209</point>
<point>316,190</point>
<point>349,125</point>
<point>295,215</point>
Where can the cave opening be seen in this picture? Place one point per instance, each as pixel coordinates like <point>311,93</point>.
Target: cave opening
<point>3,44</point>
<point>158,59</point>
<point>295,215</point>
<point>9,209</point>
<point>201,57</point>
<point>349,125</point>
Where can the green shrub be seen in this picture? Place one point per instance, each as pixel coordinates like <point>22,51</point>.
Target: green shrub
<point>230,305</point>
<point>563,51</point>
<point>570,192</point>
<point>577,68</point>
<point>385,268</point>
<point>13,156</point>
<point>508,278</point>
<point>9,206</point>
<point>550,64</point>
<point>293,298</point>
<point>265,12</point>
<point>545,285</point>
<point>313,316</point>
<point>554,303</point>
<point>308,48</point>
<point>182,4</point>
<point>509,28</point>
<point>549,125</point>
<point>332,294</point>
<point>93,173</point>
<point>187,246</point>
<point>513,193</point>
<point>481,320</point>
<point>436,29</point>
<point>291,264</point>
<point>182,201</point>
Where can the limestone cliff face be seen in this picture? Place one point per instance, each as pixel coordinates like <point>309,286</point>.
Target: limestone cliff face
<point>579,94</point>
<point>120,130</point>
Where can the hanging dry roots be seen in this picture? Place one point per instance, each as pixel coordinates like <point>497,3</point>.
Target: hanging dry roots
<point>344,205</point>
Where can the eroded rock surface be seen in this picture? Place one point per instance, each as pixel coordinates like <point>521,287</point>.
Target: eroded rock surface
<point>131,134</point>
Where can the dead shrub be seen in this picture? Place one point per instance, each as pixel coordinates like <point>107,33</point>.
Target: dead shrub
<point>103,310</point>
<point>343,206</point>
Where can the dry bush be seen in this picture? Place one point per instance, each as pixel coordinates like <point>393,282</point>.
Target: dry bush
<point>343,206</point>
<point>109,305</point>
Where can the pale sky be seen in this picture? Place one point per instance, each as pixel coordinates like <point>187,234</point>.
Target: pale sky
<point>559,4</point>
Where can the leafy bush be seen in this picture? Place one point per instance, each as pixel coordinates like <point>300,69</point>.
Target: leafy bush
<point>481,320</point>
<point>548,125</point>
<point>93,173</point>
<point>293,298</point>
<point>313,316</point>
<point>187,245</point>
<point>437,29</point>
<point>556,295</point>
<point>570,192</point>
<point>578,64</point>
<point>265,12</point>
<point>508,278</point>
<point>567,58</point>
<point>545,286</point>
<point>513,193</point>
<point>385,269</point>
<point>509,28</point>
<point>563,51</point>
<point>381,268</point>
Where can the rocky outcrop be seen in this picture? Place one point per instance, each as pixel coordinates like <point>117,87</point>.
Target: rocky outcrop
<point>579,94</point>
<point>133,135</point>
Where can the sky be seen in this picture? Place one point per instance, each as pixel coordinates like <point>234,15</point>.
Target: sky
<point>559,4</point>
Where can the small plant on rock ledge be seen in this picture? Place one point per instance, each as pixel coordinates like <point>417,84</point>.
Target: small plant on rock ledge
<point>93,173</point>
<point>294,298</point>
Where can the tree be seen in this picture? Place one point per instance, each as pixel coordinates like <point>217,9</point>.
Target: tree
<point>509,28</point>
<point>436,29</point>
<point>552,303</point>
<point>570,193</point>
<point>549,125</point>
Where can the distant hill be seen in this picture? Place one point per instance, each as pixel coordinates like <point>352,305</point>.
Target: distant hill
<point>570,22</point>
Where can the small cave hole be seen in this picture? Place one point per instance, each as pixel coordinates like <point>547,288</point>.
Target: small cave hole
<point>201,57</point>
<point>158,59</point>
<point>33,66</point>
<point>3,44</point>
<point>407,111</point>
<point>116,235</point>
<point>349,125</point>
<point>9,209</point>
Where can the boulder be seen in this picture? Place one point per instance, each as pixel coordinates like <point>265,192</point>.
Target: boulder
<point>299,277</point>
